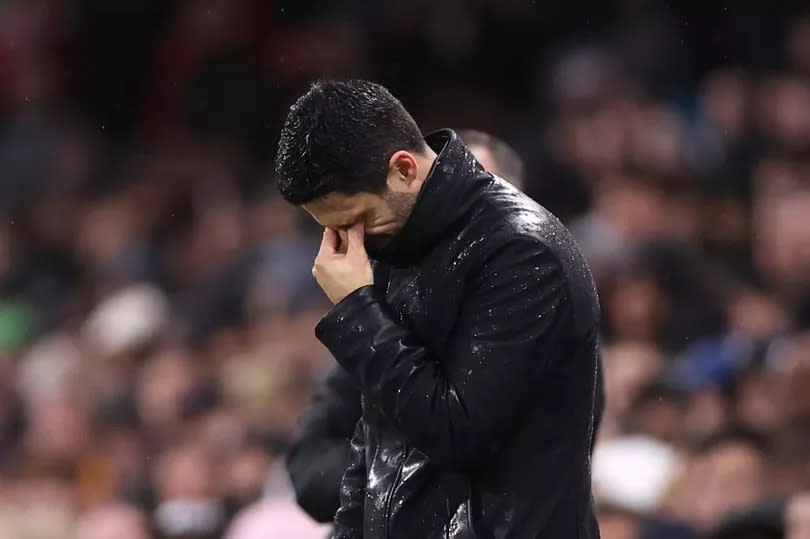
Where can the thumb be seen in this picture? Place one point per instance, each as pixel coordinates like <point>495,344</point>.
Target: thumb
<point>356,236</point>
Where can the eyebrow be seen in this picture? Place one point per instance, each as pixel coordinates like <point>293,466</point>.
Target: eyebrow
<point>349,223</point>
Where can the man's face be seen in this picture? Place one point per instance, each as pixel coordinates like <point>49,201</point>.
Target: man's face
<point>383,215</point>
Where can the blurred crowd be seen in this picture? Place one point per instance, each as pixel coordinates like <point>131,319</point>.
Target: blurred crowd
<point>156,303</point>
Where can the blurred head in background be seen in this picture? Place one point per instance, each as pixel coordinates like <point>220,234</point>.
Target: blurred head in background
<point>495,155</point>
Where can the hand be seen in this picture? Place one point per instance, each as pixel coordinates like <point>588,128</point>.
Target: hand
<point>341,273</point>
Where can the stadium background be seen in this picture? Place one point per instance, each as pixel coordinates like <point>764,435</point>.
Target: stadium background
<point>156,305</point>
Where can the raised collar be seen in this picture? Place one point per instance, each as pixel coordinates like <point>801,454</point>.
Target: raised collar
<point>452,187</point>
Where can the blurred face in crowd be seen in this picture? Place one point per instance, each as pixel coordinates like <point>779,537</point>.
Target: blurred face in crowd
<point>383,215</point>
<point>784,111</point>
<point>656,141</point>
<point>189,493</point>
<point>760,402</point>
<point>793,365</point>
<point>782,236</point>
<point>633,206</point>
<point>115,522</point>
<point>733,474</point>
<point>797,516</point>
<point>637,308</point>
<point>245,475</point>
<point>660,418</point>
<point>185,473</point>
<point>725,97</point>
<point>59,428</point>
<point>165,383</point>
<point>629,366</point>
<point>707,412</point>
<point>756,314</point>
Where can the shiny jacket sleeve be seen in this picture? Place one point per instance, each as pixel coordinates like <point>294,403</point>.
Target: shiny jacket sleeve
<point>457,404</point>
<point>349,518</point>
<point>320,453</point>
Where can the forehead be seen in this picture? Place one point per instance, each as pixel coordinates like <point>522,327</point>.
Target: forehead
<point>338,210</point>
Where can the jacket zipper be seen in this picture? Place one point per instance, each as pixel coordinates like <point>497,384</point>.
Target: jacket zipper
<point>397,478</point>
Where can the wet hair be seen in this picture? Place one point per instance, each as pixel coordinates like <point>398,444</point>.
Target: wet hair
<point>339,137</point>
<point>507,160</point>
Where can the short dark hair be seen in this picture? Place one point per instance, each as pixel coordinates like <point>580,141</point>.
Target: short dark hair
<point>507,160</point>
<point>338,137</point>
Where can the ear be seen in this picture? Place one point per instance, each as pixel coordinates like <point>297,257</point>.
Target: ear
<point>403,170</point>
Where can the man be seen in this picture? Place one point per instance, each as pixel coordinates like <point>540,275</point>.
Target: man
<point>495,156</point>
<point>473,337</point>
<point>320,453</point>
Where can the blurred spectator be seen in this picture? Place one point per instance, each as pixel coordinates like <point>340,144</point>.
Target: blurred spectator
<point>113,522</point>
<point>797,516</point>
<point>495,156</point>
<point>725,475</point>
<point>188,503</point>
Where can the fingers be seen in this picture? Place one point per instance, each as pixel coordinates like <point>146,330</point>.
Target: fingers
<point>330,242</point>
<point>356,236</point>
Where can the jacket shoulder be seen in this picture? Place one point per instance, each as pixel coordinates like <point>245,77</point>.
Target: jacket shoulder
<point>511,217</point>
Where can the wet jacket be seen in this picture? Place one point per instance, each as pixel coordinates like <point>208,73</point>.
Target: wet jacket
<point>320,452</point>
<point>476,351</point>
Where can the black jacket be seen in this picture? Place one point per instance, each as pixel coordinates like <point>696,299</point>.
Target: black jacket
<point>476,351</point>
<point>320,452</point>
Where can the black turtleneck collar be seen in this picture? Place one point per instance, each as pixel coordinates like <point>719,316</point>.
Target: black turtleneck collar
<point>453,185</point>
